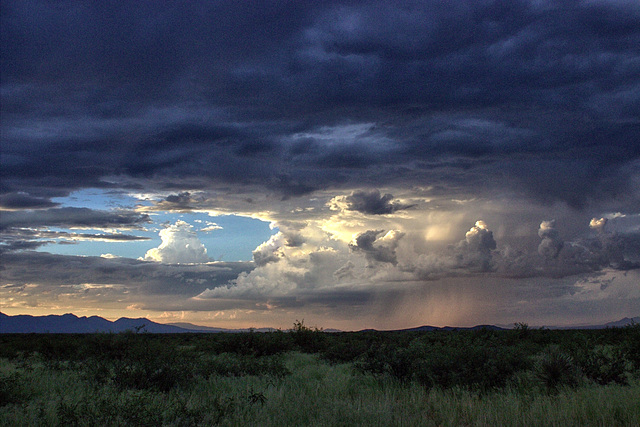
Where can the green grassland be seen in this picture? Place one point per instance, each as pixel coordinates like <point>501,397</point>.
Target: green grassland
<point>521,377</point>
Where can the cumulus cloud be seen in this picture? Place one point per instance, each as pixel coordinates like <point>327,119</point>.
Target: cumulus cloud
<point>269,251</point>
<point>598,224</point>
<point>474,251</point>
<point>211,226</point>
<point>377,245</point>
<point>473,254</point>
<point>180,244</point>
<point>297,276</point>
<point>291,232</point>
<point>551,244</point>
<point>479,238</point>
<point>368,202</point>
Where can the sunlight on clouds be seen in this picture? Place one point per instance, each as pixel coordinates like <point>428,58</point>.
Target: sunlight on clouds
<point>179,245</point>
<point>608,285</point>
<point>211,226</point>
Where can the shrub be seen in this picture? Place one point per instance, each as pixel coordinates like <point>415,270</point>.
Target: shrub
<point>606,364</point>
<point>555,368</point>
<point>477,366</point>
<point>306,339</point>
<point>12,389</point>
<point>234,365</point>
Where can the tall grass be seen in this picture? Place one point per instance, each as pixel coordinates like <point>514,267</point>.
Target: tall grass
<point>320,394</point>
<point>133,380</point>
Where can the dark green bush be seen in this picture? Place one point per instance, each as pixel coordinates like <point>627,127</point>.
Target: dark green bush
<point>445,361</point>
<point>12,389</point>
<point>477,366</point>
<point>606,364</point>
<point>555,368</point>
<point>306,339</point>
<point>228,364</point>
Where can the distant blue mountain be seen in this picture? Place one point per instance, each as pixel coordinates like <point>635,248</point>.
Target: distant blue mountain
<point>617,324</point>
<point>427,328</point>
<point>72,324</point>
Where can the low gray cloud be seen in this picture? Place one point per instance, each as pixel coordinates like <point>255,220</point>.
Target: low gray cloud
<point>269,251</point>
<point>373,203</point>
<point>291,230</point>
<point>377,245</point>
<point>182,202</point>
<point>16,239</point>
<point>73,218</point>
<point>49,272</point>
<point>21,200</point>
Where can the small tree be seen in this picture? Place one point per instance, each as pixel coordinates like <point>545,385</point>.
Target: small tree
<point>305,338</point>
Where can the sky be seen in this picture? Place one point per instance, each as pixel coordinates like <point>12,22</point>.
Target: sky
<point>352,164</point>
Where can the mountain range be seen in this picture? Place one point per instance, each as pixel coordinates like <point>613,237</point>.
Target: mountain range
<point>70,323</point>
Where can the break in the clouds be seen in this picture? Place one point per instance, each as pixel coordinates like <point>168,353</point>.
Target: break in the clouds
<point>402,151</point>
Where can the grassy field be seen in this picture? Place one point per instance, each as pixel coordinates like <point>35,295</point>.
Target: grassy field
<point>295,379</point>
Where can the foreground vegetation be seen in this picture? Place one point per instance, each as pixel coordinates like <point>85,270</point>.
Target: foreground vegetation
<point>308,377</point>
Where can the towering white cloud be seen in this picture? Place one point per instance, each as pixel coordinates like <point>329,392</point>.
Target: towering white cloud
<point>551,242</point>
<point>180,245</point>
<point>480,238</point>
<point>598,224</point>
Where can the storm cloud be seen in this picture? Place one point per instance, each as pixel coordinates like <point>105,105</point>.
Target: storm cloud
<point>290,73</point>
<point>371,135</point>
<point>370,202</point>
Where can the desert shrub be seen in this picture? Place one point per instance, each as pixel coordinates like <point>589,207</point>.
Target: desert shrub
<point>555,368</point>
<point>472,361</point>
<point>478,366</point>
<point>256,343</point>
<point>12,389</point>
<point>306,339</point>
<point>140,408</point>
<point>138,361</point>
<point>631,345</point>
<point>345,347</point>
<point>521,330</point>
<point>228,364</point>
<point>605,364</point>
<point>160,375</point>
<point>387,359</point>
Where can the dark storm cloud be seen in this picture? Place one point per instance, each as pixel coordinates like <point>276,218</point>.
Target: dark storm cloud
<point>539,97</point>
<point>377,245</point>
<point>28,238</point>
<point>73,217</point>
<point>372,202</point>
<point>181,202</point>
<point>19,200</point>
<point>51,272</point>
